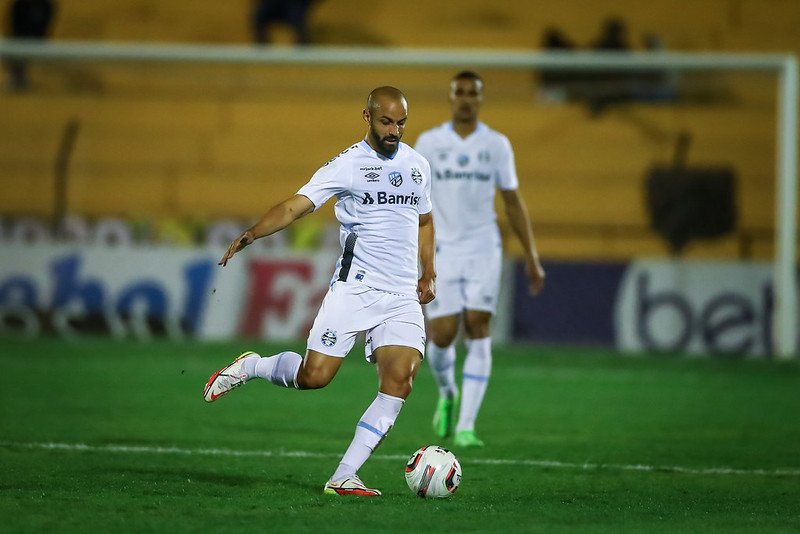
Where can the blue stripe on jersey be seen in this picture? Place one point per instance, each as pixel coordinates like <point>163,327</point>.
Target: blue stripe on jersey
<point>371,428</point>
<point>347,256</point>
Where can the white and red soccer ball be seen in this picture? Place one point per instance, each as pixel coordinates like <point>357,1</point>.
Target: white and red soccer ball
<point>433,472</point>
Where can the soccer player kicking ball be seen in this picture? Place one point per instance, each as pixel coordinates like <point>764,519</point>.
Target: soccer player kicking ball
<point>468,161</point>
<point>383,203</point>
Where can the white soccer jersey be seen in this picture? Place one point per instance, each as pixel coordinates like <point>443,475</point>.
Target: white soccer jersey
<point>379,201</point>
<point>465,173</point>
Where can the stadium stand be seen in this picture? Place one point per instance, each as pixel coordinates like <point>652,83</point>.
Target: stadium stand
<point>221,141</point>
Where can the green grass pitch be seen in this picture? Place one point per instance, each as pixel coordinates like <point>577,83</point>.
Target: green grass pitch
<point>104,436</point>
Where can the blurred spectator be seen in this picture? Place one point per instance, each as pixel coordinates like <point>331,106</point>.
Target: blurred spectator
<point>602,88</point>
<point>555,83</point>
<point>608,86</point>
<point>554,39</point>
<point>28,19</point>
<point>614,36</point>
<point>290,12</point>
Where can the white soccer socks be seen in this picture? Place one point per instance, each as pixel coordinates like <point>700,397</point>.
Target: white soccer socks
<point>370,431</point>
<point>443,364</point>
<point>477,369</point>
<point>280,369</point>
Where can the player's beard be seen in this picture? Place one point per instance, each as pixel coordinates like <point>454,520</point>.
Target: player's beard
<point>381,143</point>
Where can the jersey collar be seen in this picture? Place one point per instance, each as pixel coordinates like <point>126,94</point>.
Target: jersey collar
<point>371,150</point>
<point>478,129</point>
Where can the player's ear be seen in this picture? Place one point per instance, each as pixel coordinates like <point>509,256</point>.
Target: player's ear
<point>365,114</point>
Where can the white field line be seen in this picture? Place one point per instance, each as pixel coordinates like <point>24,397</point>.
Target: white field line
<point>141,449</point>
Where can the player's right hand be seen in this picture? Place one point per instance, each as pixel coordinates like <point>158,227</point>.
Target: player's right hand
<point>426,289</point>
<point>238,244</point>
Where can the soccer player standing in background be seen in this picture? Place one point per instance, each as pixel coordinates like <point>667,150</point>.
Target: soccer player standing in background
<point>383,203</point>
<point>468,161</point>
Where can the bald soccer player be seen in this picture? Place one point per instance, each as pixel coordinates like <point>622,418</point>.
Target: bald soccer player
<point>382,189</point>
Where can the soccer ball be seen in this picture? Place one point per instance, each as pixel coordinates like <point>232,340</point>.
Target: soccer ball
<point>433,472</point>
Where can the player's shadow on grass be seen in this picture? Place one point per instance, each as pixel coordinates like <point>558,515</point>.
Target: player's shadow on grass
<point>238,479</point>
<point>213,478</point>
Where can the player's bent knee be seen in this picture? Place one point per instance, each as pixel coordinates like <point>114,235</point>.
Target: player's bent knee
<point>317,370</point>
<point>443,330</point>
<point>477,324</point>
<point>442,339</point>
<point>397,385</point>
<point>401,389</point>
<point>397,367</point>
<point>312,380</point>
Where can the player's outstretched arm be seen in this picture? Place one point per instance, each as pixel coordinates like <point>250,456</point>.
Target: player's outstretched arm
<point>517,214</point>
<point>426,286</point>
<point>276,219</point>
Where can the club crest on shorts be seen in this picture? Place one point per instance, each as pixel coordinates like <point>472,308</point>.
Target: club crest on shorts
<point>416,175</point>
<point>396,179</point>
<point>329,338</point>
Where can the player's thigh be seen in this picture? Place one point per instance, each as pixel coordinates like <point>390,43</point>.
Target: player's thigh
<point>450,298</point>
<point>398,321</point>
<point>397,367</point>
<point>342,315</point>
<point>317,370</point>
<point>482,283</point>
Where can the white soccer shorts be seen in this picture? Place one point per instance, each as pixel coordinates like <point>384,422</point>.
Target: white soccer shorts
<point>351,307</point>
<point>466,281</point>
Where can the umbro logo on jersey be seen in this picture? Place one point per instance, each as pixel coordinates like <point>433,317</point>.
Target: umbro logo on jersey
<point>387,198</point>
<point>372,177</point>
<point>396,179</point>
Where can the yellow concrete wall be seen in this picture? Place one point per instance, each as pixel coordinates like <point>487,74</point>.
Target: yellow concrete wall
<point>219,141</point>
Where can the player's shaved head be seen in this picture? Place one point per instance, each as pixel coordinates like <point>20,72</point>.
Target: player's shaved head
<point>381,96</point>
<point>386,114</point>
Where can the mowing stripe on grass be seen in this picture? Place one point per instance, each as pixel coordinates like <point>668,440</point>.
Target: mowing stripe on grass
<point>136,449</point>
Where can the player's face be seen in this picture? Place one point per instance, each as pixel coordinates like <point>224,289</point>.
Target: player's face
<point>387,122</point>
<point>466,98</point>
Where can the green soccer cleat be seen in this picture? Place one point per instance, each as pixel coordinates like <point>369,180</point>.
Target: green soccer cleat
<point>466,438</point>
<point>443,417</point>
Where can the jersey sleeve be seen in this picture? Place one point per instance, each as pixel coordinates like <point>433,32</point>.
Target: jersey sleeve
<point>331,179</point>
<point>425,205</point>
<point>506,171</point>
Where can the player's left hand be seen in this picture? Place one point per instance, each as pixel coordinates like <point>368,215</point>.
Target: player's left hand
<point>426,289</point>
<point>535,274</point>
